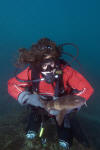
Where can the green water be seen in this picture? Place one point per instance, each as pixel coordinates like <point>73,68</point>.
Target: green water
<point>23,22</point>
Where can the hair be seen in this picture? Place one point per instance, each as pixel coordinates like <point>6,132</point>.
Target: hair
<point>37,53</point>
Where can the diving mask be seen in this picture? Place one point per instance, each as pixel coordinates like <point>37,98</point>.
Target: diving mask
<point>48,70</point>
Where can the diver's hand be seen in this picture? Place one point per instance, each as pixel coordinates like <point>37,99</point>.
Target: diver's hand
<point>54,112</point>
<point>26,98</point>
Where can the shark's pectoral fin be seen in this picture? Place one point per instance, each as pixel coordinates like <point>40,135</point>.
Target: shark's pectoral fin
<point>60,117</point>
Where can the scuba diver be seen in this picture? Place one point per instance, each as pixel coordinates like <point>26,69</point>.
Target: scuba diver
<point>47,77</point>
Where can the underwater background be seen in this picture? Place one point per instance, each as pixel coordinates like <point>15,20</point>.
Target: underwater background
<point>23,22</point>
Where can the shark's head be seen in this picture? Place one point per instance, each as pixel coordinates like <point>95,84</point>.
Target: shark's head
<point>76,101</point>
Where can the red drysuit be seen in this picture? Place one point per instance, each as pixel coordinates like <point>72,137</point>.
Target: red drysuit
<point>71,78</point>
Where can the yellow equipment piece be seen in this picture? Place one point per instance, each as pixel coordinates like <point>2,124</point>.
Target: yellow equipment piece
<point>41,131</point>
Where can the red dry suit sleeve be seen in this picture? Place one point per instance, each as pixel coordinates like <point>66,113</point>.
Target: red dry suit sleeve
<point>78,82</point>
<point>15,87</point>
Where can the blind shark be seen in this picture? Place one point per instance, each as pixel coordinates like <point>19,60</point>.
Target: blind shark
<point>64,105</point>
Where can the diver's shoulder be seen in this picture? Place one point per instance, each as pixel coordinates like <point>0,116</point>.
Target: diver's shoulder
<point>27,69</point>
<point>25,72</point>
<point>67,68</point>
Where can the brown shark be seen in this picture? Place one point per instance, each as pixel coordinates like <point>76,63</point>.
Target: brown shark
<point>63,105</point>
